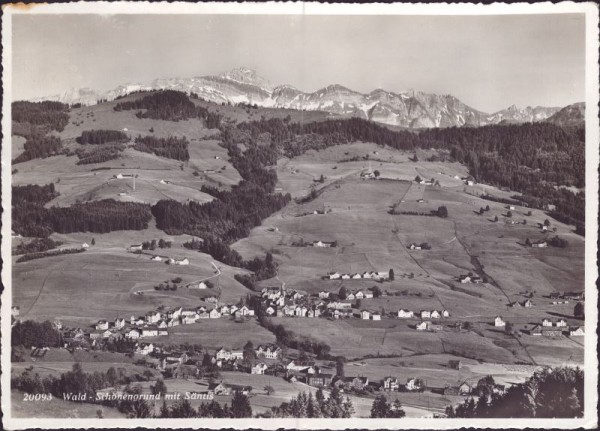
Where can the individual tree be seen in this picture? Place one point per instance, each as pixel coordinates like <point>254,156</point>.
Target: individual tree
<point>418,179</point>
<point>164,410</point>
<point>527,242</point>
<point>485,386</point>
<point>442,212</point>
<point>183,409</point>
<point>320,397</point>
<point>343,293</point>
<point>380,407</point>
<point>546,222</point>
<point>93,241</point>
<point>376,173</point>
<point>339,366</point>
<point>509,214</point>
<point>376,291</point>
<point>135,407</point>
<point>397,411</point>
<point>347,408</point>
<point>496,218</point>
<point>311,407</point>
<point>240,406</point>
<point>269,389</point>
<point>579,311</point>
<point>111,376</point>
<point>159,388</point>
<point>391,274</point>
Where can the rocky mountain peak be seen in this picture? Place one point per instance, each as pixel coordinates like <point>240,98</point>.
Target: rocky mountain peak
<point>247,76</point>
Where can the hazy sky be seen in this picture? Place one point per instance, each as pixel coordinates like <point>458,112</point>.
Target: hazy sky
<point>489,62</point>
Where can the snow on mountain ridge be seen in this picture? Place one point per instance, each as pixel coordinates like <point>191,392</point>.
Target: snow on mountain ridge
<point>406,109</point>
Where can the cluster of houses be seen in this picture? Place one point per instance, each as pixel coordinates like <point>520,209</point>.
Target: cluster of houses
<point>556,328</point>
<point>282,303</point>
<point>351,295</point>
<point>548,328</point>
<point>169,260</point>
<point>575,296</point>
<point>425,325</point>
<point>156,323</point>
<point>135,248</point>
<point>367,275</point>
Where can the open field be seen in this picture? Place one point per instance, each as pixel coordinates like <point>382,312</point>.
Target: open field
<point>17,145</point>
<point>102,282</point>
<point>362,216</point>
<point>213,334</point>
<point>369,238</point>
<point>158,177</point>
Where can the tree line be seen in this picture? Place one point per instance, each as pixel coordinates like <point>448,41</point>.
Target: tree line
<point>39,147</point>
<point>317,406</point>
<point>549,393</point>
<point>32,219</point>
<point>171,147</point>
<point>99,154</point>
<point>43,116</point>
<point>528,158</point>
<point>240,408</point>
<point>35,334</point>
<point>98,137</point>
<point>37,245</point>
<point>170,105</point>
<point>234,213</point>
<point>49,253</point>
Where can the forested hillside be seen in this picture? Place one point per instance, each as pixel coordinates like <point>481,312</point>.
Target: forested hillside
<point>31,218</point>
<point>39,118</point>
<point>171,106</point>
<point>171,147</point>
<point>539,160</point>
<point>534,159</point>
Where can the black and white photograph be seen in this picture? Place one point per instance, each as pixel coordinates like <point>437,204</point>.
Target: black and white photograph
<point>299,215</point>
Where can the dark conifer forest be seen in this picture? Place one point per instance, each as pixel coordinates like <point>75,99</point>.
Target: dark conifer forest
<point>43,116</point>
<point>99,153</point>
<point>32,219</point>
<point>97,137</point>
<point>171,147</point>
<point>533,159</point>
<point>170,105</point>
<point>39,147</point>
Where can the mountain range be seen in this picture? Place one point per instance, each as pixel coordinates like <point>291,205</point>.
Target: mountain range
<point>407,109</point>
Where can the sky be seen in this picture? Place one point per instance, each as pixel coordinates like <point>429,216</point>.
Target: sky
<point>488,62</point>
